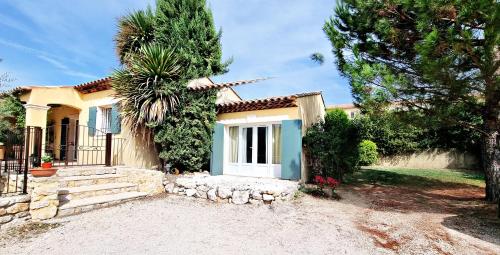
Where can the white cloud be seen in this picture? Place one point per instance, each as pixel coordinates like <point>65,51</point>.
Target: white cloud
<point>51,59</point>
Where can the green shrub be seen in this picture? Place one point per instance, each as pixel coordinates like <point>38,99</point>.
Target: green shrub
<point>332,145</point>
<point>368,154</point>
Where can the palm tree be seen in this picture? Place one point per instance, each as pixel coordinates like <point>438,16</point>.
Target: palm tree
<point>147,87</point>
<point>134,30</point>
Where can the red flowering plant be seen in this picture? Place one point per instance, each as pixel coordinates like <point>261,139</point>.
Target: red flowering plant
<point>332,183</point>
<point>321,182</point>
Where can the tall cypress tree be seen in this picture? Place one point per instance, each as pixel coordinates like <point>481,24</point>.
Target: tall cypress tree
<point>188,27</point>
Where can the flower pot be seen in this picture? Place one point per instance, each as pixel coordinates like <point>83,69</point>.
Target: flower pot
<point>43,172</point>
<point>47,165</point>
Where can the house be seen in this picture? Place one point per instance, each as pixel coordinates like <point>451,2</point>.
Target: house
<point>350,109</point>
<point>260,138</point>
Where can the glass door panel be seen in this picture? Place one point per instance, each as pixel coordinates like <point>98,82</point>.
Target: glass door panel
<point>262,145</point>
<point>247,145</point>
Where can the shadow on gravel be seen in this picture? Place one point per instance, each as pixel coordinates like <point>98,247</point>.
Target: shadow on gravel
<point>393,192</point>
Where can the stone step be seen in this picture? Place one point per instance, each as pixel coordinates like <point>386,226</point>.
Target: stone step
<point>85,171</point>
<point>88,204</point>
<point>67,194</point>
<point>86,180</point>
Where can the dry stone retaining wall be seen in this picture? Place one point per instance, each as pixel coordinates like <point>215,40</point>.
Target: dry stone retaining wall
<point>236,190</point>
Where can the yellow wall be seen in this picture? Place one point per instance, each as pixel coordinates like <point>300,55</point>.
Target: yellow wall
<point>134,151</point>
<point>312,110</point>
<point>227,95</point>
<point>55,116</point>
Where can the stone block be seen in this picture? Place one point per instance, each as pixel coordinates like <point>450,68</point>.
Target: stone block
<point>22,215</point>
<point>39,204</point>
<point>4,202</point>
<point>201,194</point>
<point>267,197</point>
<point>212,194</point>
<point>240,197</point>
<point>19,207</point>
<point>22,199</point>
<point>44,213</point>
<point>5,219</point>
<point>256,195</point>
<point>169,188</point>
<point>3,211</point>
<point>224,192</point>
<point>190,192</point>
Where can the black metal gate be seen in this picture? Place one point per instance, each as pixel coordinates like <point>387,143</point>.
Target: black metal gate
<point>69,145</point>
<point>21,151</point>
<point>78,145</point>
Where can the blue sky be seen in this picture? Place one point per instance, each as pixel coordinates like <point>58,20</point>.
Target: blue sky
<point>49,42</point>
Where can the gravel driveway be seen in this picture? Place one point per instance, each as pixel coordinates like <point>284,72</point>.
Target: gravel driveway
<point>179,225</point>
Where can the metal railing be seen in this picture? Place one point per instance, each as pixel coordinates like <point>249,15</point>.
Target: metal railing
<point>21,151</point>
<point>69,145</point>
<point>78,145</point>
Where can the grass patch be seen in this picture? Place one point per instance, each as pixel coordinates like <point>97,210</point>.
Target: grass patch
<point>416,177</point>
<point>29,230</point>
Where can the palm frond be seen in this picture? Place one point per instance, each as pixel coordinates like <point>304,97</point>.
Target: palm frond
<point>134,30</point>
<point>147,87</point>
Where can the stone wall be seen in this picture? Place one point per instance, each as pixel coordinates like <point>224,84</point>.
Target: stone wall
<point>232,189</point>
<point>44,197</point>
<point>432,158</point>
<point>14,209</point>
<point>150,181</point>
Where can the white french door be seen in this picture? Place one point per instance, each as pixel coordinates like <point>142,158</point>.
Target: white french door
<point>249,150</point>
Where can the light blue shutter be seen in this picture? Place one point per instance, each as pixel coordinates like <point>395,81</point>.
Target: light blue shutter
<point>116,121</point>
<point>291,149</point>
<point>217,157</point>
<point>92,120</point>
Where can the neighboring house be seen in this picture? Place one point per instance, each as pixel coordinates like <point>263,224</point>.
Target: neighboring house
<point>350,109</point>
<point>261,138</point>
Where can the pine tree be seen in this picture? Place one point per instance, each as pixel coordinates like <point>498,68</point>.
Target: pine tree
<point>430,56</point>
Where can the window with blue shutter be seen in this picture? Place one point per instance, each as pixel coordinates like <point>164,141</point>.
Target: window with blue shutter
<point>291,148</point>
<point>91,124</point>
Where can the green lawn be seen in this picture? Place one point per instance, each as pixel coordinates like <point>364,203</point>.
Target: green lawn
<point>415,177</point>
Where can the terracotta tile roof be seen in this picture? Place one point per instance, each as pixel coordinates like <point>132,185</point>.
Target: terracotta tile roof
<point>105,84</point>
<point>202,86</point>
<point>94,86</point>
<point>263,104</point>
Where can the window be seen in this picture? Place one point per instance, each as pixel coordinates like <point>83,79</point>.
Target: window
<point>247,145</point>
<point>262,145</point>
<point>234,143</point>
<point>105,120</point>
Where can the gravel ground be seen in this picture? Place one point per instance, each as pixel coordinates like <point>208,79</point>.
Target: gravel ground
<point>307,225</point>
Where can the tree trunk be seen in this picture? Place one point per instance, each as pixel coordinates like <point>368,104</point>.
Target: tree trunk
<point>491,159</point>
<point>490,148</point>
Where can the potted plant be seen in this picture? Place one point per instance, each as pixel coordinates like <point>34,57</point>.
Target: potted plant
<point>46,161</point>
<point>46,170</point>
